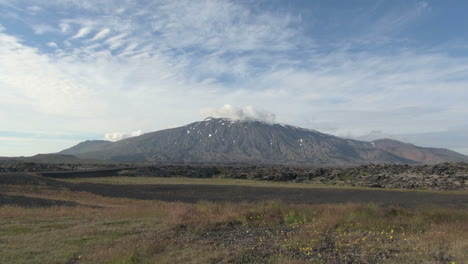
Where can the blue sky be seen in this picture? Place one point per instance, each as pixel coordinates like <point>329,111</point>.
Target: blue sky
<point>74,70</point>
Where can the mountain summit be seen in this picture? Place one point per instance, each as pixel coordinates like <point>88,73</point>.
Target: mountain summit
<point>221,140</point>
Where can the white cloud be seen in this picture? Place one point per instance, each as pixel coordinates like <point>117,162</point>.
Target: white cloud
<point>82,32</point>
<point>225,25</point>
<point>237,113</point>
<point>52,45</point>
<point>101,34</point>
<point>43,28</point>
<point>120,10</point>
<point>38,78</point>
<point>64,27</point>
<point>115,136</point>
<point>34,9</point>
<point>396,20</point>
<point>116,41</point>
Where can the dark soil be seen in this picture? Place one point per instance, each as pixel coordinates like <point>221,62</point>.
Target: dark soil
<point>30,179</point>
<point>84,173</point>
<point>227,193</point>
<point>24,201</point>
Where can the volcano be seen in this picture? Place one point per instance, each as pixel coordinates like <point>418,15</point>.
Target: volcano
<point>226,141</point>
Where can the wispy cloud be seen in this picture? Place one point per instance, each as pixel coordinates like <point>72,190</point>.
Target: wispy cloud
<point>399,18</point>
<point>43,28</point>
<point>114,67</point>
<point>34,9</point>
<point>37,77</point>
<point>101,34</point>
<point>82,32</point>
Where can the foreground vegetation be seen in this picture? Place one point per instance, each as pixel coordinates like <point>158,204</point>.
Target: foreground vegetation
<point>115,230</point>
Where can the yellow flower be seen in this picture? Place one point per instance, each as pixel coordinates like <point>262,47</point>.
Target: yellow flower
<point>391,237</point>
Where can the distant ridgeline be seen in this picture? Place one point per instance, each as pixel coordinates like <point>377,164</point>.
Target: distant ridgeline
<point>225,141</point>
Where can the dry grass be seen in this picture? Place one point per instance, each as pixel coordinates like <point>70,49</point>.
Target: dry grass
<point>134,231</point>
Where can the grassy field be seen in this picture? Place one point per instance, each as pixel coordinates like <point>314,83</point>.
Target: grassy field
<point>116,230</point>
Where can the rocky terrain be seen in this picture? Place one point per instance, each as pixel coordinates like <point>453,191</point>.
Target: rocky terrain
<point>445,176</point>
<point>225,141</point>
<point>21,166</point>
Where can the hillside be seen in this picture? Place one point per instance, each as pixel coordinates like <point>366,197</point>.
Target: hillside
<point>419,154</point>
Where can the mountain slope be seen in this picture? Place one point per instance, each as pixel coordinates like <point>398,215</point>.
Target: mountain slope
<point>217,140</point>
<point>419,154</point>
<point>86,146</point>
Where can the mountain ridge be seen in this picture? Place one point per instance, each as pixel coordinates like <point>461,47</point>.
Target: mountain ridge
<point>221,140</point>
<point>422,154</point>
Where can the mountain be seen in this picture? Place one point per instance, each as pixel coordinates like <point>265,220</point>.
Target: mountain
<point>220,140</point>
<point>87,146</point>
<point>419,154</point>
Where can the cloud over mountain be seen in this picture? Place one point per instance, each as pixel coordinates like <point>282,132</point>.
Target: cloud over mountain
<point>238,113</point>
<point>116,136</point>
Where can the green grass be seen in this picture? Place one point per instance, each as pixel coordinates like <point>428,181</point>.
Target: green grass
<point>58,234</point>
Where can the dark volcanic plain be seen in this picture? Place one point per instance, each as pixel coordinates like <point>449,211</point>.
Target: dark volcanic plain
<point>229,193</point>
<point>214,193</point>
